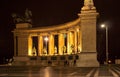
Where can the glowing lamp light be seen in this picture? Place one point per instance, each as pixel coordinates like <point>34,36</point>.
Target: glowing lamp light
<point>46,38</point>
<point>103,26</point>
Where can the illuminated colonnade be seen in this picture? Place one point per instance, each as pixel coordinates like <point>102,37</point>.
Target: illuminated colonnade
<point>78,35</point>
<point>68,38</point>
<point>72,38</point>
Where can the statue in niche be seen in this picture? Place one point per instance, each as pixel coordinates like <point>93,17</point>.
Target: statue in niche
<point>34,51</point>
<point>72,49</point>
<point>55,50</point>
<point>23,19</point>
<point>79,48</point>
<point>44,51</point>
<point>64,49</point>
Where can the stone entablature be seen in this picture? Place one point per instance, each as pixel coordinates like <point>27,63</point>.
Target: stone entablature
<point>54,29</point>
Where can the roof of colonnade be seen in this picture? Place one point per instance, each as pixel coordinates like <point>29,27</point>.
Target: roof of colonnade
<point>59,27</point>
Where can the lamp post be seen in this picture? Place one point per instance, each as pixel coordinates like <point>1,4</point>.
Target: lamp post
<point>104,26</point>
<point>46,39</point>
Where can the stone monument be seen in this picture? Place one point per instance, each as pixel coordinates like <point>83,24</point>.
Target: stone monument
<point>88,16</point>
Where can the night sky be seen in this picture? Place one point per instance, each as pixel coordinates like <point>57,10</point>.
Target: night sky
<point>52,12</point>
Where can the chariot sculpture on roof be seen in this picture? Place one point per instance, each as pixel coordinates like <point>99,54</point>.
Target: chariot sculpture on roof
<point>26,18</point>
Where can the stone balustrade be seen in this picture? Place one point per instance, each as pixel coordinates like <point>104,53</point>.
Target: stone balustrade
<point>55,60</point>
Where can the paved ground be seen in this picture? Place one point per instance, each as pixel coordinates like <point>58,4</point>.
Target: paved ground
<point>61,71</point>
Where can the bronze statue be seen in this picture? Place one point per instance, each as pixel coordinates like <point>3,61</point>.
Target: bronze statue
<point>28,15</point>
<point>23,19</point>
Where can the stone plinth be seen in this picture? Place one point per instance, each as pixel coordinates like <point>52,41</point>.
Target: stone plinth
<point>20,60</point>
<point>87,59</point>
<point>117,61</point>
<point>23,25</point>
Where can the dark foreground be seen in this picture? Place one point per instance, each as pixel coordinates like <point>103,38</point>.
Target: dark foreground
<point>61,71</point>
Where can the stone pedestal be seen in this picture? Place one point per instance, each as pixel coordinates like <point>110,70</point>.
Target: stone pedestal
<point>87,59</point>
<point>117,61</point>
<point>20,60</point>
<point>88,17</point>
<point>23,25</point>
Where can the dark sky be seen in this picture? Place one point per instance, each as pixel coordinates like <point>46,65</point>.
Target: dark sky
<point>51,12</point>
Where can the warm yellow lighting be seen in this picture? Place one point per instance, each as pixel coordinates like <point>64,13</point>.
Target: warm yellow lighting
<point>79,48</point>
<point>30,52</point>
<point>30,46</point>
<point>77,30</point>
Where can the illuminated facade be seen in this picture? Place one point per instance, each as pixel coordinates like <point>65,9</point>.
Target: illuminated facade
<point>77,37</point>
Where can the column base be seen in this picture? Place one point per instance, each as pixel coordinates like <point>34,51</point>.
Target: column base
<point>87,59</point>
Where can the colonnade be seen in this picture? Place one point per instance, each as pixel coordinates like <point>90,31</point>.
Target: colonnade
<point>68,43</point>
<point>72,37</point>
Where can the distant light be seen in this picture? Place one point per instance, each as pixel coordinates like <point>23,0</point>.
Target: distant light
<point>103,26</point>
<point>109,61</point>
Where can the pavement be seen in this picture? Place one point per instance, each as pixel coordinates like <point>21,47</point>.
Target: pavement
<point>60,71</point>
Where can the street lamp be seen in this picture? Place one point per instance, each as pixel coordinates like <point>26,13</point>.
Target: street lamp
<point>46,39</point>
<point>104,26</point>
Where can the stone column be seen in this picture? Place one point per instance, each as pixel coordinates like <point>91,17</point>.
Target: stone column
<point>30,44</point>
<point>40,45</point>
<point>71,42</point>
<point>80,40</point>
<point>61,43</point>
<point>75,41</point>
<point>68,42</point>
<point>51,44</point>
